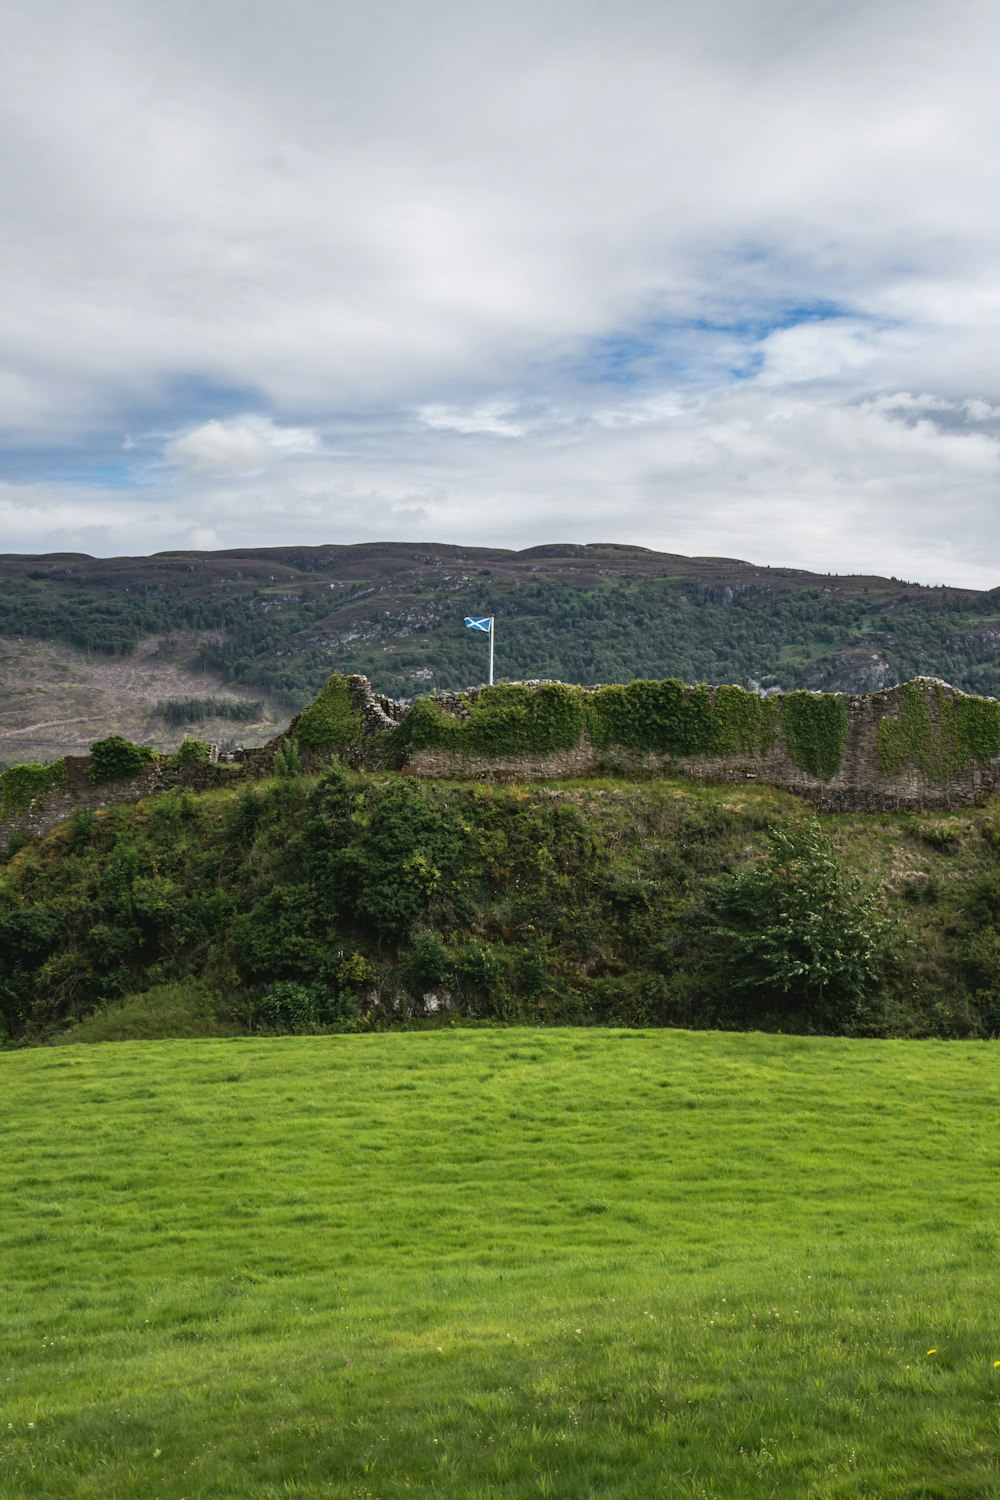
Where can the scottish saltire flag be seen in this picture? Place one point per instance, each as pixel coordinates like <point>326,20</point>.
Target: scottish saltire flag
<point>478,624</point>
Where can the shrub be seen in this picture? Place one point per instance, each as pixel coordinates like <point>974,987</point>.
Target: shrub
<point>428,964</point>
<point>117,759</point>
<point>193,753</point>
<point>289,1007</point>
<point>796,930</point>
<point>287,763</point>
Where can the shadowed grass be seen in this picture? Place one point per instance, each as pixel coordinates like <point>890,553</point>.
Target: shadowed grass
<point>501,1264</point>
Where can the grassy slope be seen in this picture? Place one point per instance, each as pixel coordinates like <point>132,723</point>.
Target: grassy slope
<point>474,1264</point>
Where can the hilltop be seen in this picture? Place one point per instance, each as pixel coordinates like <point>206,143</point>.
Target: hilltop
<point>138,641</point>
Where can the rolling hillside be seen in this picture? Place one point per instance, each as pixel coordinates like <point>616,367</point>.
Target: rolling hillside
<point>269,625</point>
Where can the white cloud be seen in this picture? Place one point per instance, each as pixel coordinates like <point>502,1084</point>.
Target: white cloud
<point>716,276</point>
<point>244,445</point>
<point>495,417</point>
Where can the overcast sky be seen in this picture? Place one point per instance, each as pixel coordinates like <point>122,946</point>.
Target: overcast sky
<point>711,276</point>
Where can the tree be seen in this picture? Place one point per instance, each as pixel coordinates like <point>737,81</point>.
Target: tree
<point>797,931</point>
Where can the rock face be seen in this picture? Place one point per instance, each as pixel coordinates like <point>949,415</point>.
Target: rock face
<point>903,747</point>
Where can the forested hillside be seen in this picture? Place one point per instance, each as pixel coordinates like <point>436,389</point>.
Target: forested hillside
<point>278,621</point>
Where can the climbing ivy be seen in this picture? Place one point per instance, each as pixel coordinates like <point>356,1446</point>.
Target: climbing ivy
<point>744,722</point>
<point>507,719</point>
<point>22,785</point>
<point>331,722</point>
<point>939,744</point>
<point>648,716</point>
<point>815,727</point>
<point>512,719</point>
<point>977,722</point>
<point>644,717</point>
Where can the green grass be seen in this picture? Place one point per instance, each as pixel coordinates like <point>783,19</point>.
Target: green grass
<point>507,1264</point>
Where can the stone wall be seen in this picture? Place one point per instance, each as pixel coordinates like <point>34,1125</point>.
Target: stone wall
<point>43,814</point>
<point>860,784</point>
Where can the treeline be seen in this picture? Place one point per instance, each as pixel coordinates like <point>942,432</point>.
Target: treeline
<point>178,711</point>
<point>353,900</point>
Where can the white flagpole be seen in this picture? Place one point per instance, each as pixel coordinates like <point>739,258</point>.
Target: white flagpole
<point>491,650</point>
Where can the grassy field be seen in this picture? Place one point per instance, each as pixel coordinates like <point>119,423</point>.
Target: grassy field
<point>501,1264</point>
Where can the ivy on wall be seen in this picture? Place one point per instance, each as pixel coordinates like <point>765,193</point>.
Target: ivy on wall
<point>744,722</point>
<point>331,722</point>
<point>977,722</point>
<point>644,717</point>
<point>942,743</point>
<point>22,785</point>
<point>815,729</point>
<point>508,719</point>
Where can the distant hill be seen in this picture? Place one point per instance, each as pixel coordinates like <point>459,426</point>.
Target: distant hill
<point>266,626</point>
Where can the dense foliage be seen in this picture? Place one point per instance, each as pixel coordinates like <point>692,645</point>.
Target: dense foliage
<point>939,742</point>
<point>383,898</point>
<point>22,785</point>
<point>815,728</point>
<point>117,759</point>
<point>331,722</point>
<point>662,718</point>
<point>795,931</point>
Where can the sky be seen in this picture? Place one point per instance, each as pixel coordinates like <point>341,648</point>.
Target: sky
<point>718,277</point>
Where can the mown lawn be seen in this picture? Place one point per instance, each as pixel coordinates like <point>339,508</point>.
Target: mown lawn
<point>501,1264</point>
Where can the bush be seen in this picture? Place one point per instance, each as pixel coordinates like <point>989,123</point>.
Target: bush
<point>117,759</point>
<point>796,931</point>
<point>290,1007</point>
<point>287,763</point>
<point>193,753</point>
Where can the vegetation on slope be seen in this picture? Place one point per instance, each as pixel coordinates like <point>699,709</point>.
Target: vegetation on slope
<point>503,1265</point>
<point>280,620</point>
<point>358,900</point>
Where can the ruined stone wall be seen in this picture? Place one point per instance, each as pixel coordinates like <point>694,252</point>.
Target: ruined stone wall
<point>45,813</point>
<point>860,783</point>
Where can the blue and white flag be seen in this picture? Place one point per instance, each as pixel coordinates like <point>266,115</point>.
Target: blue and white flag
<point>479,624</point>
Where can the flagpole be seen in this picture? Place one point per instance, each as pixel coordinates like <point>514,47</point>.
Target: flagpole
<point>491,650</point>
